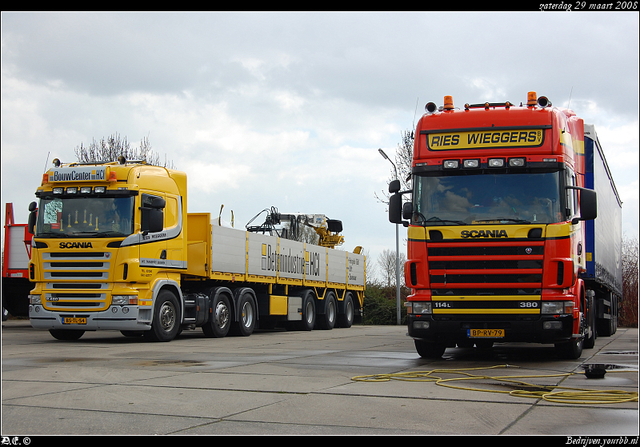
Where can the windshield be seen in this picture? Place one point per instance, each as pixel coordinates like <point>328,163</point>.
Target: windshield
<point>487,198</point>
<point>85,217</point>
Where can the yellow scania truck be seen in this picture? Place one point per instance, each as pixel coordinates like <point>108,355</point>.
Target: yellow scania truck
<point>114,248</point>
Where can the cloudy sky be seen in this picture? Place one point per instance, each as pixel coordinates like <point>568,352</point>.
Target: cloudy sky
<point>289,109</point>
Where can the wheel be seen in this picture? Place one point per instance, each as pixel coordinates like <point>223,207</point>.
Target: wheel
<point>572,349</point>
<point>428,350</point>
<point>5,314</point>
<point>484,344</point>
<point>345,319</point>
<point>590,341</point>
<point>308,312</point>
<point>328,320</point>
<point>132,333</point>
<point>166,318</point>
<point>63,334</point>
<point>247,315</point>
<point>219,318</point>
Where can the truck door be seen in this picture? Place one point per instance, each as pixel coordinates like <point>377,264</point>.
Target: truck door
<point>173,224</point>
<point>153,244</point>
<point>162,248</point>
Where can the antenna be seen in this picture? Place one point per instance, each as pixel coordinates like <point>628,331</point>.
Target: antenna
<point>46,161</point>
<point>570,93</point>
<point>413,125</point>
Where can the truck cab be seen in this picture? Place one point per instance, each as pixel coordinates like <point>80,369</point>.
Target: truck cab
<point>496,233</point>
<point>107,238</point>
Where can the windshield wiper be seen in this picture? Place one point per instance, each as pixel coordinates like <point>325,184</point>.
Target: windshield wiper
<point>501,219</point>
<point>51,234</point>
<point>110,234</point>
<point>444,221</point>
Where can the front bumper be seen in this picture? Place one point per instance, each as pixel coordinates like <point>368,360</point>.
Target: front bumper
<point>114,318</point>
<point>545,329</point>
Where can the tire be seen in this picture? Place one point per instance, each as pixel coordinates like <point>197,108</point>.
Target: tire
<point>5,314</point>
<point>428,350</point>
<point>345,319</point>
<point>166,318</point>
<point>327,320</point>
<point>66,335</point>
<point>219,318</point>
<point>246,315</point>
<point>308,312</point>
<point>572,349</point>
<point>484,345</point>
<point>590,341</point>
<point>132,333</point>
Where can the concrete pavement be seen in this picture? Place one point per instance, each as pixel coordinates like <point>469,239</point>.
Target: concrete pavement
<point>302,383</point>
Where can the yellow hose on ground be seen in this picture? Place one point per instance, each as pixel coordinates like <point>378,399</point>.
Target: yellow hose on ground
<point>545,392</point>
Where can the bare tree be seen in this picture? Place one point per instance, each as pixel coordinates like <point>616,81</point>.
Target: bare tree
<point>402,160</point>
<point>306,234</point>
<point>110,148</point>
<point>629,308</point>
<point>387,264</point>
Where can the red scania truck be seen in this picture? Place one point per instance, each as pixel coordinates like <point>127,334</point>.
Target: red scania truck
<point>503,240</point>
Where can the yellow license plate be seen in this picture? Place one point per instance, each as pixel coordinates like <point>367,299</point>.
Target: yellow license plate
<point>485,333</point>
<point>74,320</point>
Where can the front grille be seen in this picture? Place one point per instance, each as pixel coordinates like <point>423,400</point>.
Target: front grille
<point>75,279</point>
<point>475,279</point>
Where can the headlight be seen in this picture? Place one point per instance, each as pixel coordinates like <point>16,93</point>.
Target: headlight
<point>472,163</point>
<point>120,300</point>
<point>451,164</point>
<point>421,307</point>
<point>557,307</point>
<point>34,299</point>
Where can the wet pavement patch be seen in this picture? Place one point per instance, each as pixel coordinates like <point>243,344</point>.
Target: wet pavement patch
<point>598,370</point>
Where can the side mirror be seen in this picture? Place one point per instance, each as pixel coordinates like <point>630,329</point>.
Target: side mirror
<point>407,210</point>
<point>156,220</point>
<point>394,186</point>
<point>588,204</point>
<point>33,213</point>
<point>395,208</point>
<point>151,214</point>
<point>152,220</point>
<point>157,203</point>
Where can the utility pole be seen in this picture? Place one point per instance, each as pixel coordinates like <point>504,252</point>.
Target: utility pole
<point>397,247</point>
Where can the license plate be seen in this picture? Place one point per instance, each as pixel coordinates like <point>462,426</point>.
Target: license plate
<point>74,320</point>
<point>485,333</point>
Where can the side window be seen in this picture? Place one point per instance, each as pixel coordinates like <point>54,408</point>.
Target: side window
<point>572,194</point>
<point>576,205</point>
<point>171,213</point>
<point>151,216</point>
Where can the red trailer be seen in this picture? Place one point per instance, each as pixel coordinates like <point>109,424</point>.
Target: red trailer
<point>15,266</point>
